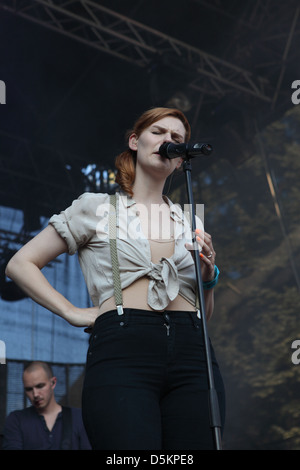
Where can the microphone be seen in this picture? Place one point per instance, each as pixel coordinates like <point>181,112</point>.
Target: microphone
<point>170,150</point>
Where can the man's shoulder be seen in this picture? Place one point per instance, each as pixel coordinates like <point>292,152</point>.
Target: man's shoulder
<point>25,412</point>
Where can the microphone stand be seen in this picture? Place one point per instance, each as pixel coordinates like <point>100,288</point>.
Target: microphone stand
<point>215,421</point>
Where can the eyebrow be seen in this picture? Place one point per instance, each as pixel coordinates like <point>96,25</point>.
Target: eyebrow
<point>164,129</point>
<point>39,385</point>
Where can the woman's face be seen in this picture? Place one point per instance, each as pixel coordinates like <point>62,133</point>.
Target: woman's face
<point>168,129</point>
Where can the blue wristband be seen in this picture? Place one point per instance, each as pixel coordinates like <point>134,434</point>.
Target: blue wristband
<point>210,284</point>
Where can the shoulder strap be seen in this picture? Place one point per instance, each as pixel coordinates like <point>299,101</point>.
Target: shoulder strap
<point>114,254</point>
<point>66,440</point>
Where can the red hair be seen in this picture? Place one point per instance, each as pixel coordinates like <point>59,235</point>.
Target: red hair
<point>125,162</point>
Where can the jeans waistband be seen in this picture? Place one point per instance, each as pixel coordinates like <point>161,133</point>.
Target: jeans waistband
<point>177,316</point>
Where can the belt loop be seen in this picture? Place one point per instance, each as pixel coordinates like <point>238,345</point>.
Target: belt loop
<point>195,317</point>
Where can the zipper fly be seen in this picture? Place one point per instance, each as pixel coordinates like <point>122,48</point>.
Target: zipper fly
<point>167,323</point>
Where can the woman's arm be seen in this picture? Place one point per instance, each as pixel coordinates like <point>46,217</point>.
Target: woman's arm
<point>25,267</point>
<point>207,257</point>
<point>209,303</point>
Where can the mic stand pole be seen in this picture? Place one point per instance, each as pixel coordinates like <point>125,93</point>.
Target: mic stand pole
<point>215,421</point>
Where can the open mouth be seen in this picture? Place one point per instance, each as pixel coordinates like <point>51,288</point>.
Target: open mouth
<point>157,153</point>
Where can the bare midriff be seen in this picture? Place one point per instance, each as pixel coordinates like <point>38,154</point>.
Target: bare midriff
<point>135,295</point>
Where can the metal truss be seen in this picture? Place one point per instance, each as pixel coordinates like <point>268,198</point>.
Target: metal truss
<point>264,37</point>
<point>115,34</point>
<point>268,26</point>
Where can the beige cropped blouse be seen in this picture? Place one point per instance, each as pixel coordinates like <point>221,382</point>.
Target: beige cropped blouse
<point>85,228</point>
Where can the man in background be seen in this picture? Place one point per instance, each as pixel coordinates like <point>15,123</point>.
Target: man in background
<point>45,425</point>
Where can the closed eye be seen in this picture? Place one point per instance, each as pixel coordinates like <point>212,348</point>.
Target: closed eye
<point>178,139</point>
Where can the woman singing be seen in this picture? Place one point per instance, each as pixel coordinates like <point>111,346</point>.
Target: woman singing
<point>146,380</point>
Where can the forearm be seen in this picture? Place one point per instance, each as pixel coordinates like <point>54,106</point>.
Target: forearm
<point>32,281</point>
<point>25,269</point>
<point>209,303</point>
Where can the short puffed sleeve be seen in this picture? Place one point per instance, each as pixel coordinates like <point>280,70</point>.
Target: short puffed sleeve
<point>77,224</point>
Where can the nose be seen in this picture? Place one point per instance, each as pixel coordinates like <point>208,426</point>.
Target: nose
<point>165,141</point>
<point>167,137</point>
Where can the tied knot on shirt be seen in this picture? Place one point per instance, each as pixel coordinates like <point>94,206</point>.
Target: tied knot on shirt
<point>163,285</point>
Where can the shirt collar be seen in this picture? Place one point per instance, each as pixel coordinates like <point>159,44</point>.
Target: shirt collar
<point>127,200</point>
<point>175,209</point>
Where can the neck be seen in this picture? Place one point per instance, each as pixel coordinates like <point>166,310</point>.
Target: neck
<point>148,191</point>
<point>52,407</point>
<point>147,196</point>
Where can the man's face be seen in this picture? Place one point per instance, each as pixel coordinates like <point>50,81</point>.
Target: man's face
<point>39,388</point>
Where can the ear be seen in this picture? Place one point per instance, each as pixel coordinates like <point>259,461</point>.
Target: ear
<point>132,142</point>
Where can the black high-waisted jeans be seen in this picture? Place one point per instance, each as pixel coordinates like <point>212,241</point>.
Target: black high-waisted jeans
<point>146,383</point>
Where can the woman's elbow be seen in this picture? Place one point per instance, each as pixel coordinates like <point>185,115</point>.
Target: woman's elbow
<point>8,269</point>
<point>12,267</point>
